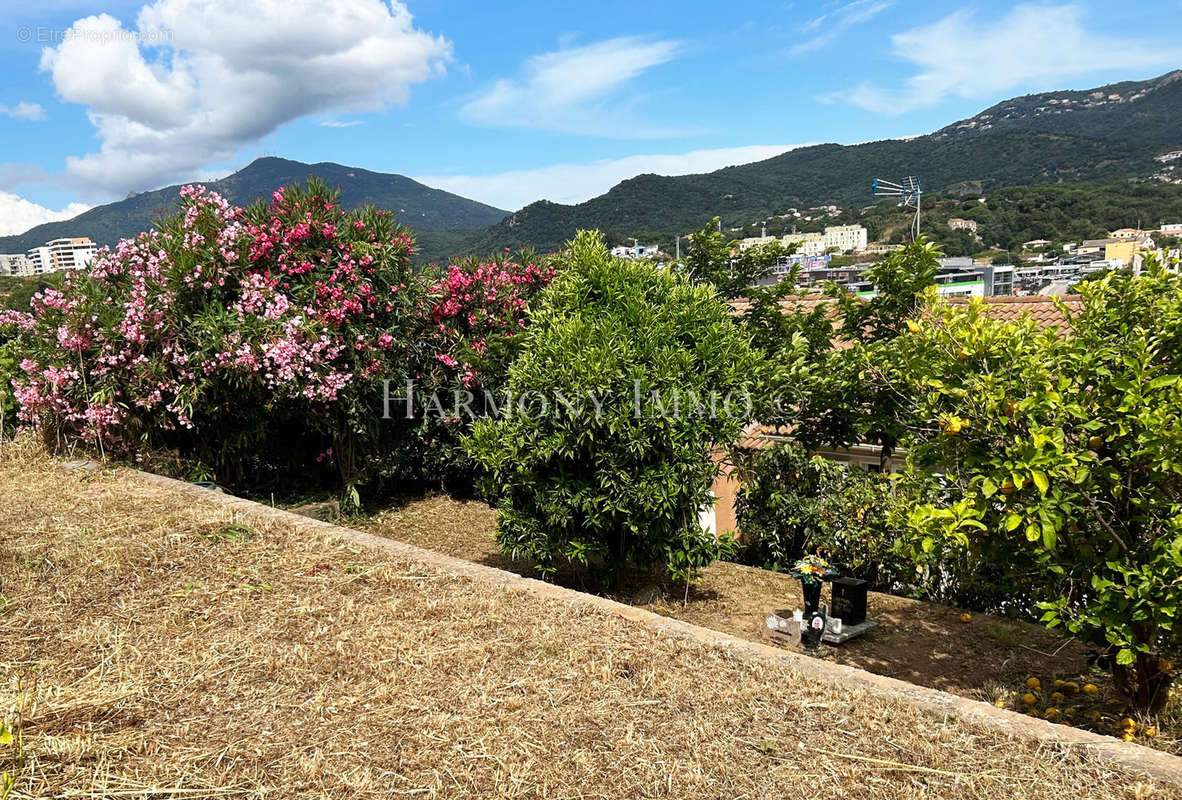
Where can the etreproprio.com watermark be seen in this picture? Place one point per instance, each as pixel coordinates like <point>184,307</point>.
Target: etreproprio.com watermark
<point>409,401</point>
<point>44,34</point>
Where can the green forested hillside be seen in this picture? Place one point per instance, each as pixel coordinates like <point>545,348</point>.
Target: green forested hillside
<point>1008,217</point>
<point>1019,142</point>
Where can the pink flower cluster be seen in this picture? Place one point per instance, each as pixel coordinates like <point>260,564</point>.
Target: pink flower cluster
<point>472,304</point>
<point>291,299</point>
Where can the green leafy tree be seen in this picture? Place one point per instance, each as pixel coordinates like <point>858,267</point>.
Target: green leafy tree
<point>746,279</point>
<point>792,504</point>
<point>620,392</point>
<point>854,393</point>
<point>1059,454</point>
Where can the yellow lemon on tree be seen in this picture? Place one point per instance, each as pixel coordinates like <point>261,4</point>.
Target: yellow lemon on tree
<point>1095,442</point>
<point>1007,486</point>
<point>914,326</point>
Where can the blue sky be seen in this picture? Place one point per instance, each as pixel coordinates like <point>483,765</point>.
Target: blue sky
<point>508,102</point>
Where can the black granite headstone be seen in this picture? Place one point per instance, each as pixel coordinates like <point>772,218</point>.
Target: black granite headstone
<point>849,600</point>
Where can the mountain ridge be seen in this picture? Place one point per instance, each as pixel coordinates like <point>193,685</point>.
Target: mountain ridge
<point>1107,142</point>
<point>1126,131</point>
<point>434,214</point>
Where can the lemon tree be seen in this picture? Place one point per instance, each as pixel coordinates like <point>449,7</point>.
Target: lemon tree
<point>1061,455</point>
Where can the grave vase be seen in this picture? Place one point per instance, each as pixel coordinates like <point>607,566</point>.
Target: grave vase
<point>812,596</point>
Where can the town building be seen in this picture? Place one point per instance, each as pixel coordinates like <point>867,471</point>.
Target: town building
<point>958,224</point>
<point>839,238</point>
<point>70,253</point>
<point>1127,233</point>
<point>636,251</point>
<point>1122,250</point>
<point>846,238</point>
<point>807,244</point>
<point>14,265</point>
<point>1172,229</point>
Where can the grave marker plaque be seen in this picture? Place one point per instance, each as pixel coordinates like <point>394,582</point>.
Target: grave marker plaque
<point>849,600</point>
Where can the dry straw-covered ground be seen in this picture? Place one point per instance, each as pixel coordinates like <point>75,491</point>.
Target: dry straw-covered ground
<point>153,647</point>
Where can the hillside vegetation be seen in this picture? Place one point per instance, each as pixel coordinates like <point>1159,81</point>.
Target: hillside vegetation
<point>1025,141</point>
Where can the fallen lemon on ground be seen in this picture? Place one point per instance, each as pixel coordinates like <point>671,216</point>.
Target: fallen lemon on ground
<point>1028,699</point>
<point>966,617</point>
<point>1090,688</point>
<point>1033,683</point>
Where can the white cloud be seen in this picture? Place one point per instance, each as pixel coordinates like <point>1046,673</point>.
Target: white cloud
<point>30,112</point>
<point>576,90</point>
<point>198,79</point>
<point>18,215</point>
<point>336,123</point>
<point>574,183</point>
<point>829,26</point>
<point>1031,47</point>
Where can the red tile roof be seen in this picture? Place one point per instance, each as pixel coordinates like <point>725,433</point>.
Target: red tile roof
<point>1040,308</point>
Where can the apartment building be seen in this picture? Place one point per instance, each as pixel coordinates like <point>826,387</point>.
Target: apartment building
<point>61,254</point>
<point>845,238</point>
<point>14,265</point>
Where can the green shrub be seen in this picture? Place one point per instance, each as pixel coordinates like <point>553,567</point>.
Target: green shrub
<point>792,504</point>
<point>628,357</point>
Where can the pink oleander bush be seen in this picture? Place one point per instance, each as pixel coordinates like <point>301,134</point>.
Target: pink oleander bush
<point>251,341</point>
<point>471,318</point>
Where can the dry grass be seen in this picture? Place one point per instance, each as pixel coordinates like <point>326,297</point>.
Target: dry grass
<point>152,650</point>
<point>988,659</point>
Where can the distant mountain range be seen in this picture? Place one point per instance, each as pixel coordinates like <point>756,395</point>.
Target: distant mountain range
<point>1110,133</point>
<point>1121,132</point>
<point>440,219</point>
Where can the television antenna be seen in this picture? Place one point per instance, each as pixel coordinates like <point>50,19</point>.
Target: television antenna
<point>910,194</point>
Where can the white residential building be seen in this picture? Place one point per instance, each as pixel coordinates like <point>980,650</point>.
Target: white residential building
<point>1173,229</point>
<point>755,241</point>
<point>845,238</point>
<point>62,254</point>
<point>14,265</point>
<point>636,251</point>
<point>807,244</point>
<point>842,238</point>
